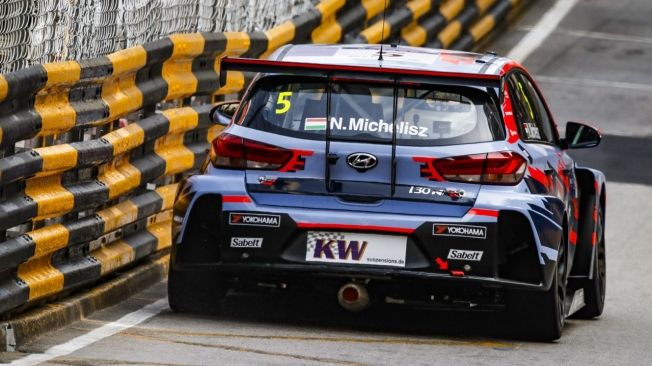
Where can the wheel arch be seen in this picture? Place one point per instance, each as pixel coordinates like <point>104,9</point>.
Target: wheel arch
<point>603,202</point>
<point>197,241</point>
<point>592,192</point>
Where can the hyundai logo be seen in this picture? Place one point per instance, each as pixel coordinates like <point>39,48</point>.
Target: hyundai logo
<point>361,161</point>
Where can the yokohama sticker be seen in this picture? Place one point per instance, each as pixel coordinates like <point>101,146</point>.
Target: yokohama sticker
<point>465,231</point>
<point>356,248</point>
<point>249,219</point>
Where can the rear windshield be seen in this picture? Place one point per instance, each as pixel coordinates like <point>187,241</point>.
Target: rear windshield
<point>362,111</point>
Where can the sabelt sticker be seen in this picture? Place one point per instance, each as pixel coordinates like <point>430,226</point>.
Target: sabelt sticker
<point>356,248</point>
<point>250,219</point>
<point>465,231</point>
<point>246,242</point>
<point>465,255</point>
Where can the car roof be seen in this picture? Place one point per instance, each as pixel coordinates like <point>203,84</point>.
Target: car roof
<point>395,56</point>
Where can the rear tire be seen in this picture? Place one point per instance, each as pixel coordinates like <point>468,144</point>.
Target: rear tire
<point>540,316</point>
<point>198,292</point>
<point>595,288</point>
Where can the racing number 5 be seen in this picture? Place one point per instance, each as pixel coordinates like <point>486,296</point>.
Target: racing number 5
<point>284,102</point>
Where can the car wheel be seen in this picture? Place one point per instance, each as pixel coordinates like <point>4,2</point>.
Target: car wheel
<point>595,288</point>
<point>198,292</point>
<point>540,316</point>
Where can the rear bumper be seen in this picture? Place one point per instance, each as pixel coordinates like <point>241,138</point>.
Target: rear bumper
<point>511,245</point>
<point>275,271</point>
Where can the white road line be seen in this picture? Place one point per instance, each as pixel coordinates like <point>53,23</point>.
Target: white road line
<point>541,30</point>
<point>616,37</point>
<point>594,83</point>
<point>95,335</point>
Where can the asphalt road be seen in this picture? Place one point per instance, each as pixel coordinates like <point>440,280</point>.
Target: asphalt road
<point>594,67</point>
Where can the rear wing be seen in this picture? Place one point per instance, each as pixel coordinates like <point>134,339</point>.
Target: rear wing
<point>353,71</point>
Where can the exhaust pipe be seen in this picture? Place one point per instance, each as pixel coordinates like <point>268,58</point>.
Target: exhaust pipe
<point>353,297</point>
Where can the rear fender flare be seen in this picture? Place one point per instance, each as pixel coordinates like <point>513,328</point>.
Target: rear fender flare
<point>592,190</point>
<point>548,227</point>
<point>225,184</point>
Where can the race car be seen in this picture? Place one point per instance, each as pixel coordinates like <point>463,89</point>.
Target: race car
<point>394,174</point>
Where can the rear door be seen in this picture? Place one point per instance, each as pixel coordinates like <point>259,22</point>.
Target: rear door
<point>359,141</point>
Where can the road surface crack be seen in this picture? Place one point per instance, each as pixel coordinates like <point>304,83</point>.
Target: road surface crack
<point>247,350</point>
<point>394,340</point>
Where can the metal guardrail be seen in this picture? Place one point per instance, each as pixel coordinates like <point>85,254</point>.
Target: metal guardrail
<point>82,195</point>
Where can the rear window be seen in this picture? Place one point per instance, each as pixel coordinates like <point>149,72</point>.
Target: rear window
<point>372,112</point>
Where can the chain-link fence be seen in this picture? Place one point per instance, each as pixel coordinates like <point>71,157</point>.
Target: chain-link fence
<point>40,31</point>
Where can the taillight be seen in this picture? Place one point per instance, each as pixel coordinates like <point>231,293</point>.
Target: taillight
<point>505,168</point>
<point>228,152</point>
<point>234,152</point>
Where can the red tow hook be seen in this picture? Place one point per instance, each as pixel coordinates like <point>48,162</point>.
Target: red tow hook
<point>457,273</point>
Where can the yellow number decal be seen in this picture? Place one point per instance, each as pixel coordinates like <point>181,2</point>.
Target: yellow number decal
<point>284,102</point>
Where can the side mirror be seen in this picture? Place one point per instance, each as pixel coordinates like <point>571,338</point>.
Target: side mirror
<point>580,136</point>
<point>222,112</point>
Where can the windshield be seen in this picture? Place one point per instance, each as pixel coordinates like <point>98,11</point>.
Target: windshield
<point>373,112</point>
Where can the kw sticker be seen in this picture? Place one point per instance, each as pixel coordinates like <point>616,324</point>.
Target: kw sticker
<point>356,248</point>
<point>465,231</point>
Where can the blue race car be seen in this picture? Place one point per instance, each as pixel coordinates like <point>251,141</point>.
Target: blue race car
<point>400,175</point>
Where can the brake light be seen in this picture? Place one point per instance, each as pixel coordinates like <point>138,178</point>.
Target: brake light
<point>505,168</point>
<point>234,152</point>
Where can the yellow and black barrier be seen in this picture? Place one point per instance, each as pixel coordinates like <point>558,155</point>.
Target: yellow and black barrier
<point>396,20</point>
<point>489,18</point>
<point>90,150</point>
<point>45,196</point>
<point>40,273</point>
